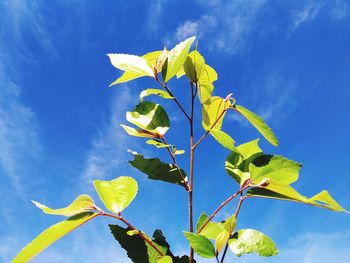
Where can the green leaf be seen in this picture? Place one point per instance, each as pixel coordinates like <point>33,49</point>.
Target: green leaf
<point>212,113</point>
<point>117,194</point>
<point>176,59</point>
<point>157,143</point>
<point>237,163</point>
<point>230,224</point>
<point>150,117</point>
<point>224,139</point>
<point>165,259</point>
<point>274,167</point>
<point>81,204</point>
<point>158,92</point>
<point>276,190</point>
<point>157,170</point>
<point>194,66</point>
<point>221,240</point>
<point>200,244</point>
<point>258,123</point>
<point>212,229</point>
<point>205,83</point>
<point>325,199</point>
<point>178,152</point>
<point>248,241</point>
<point>138,250</point>
<point>138,132</point>
<point>151,59</point>
<point>50,235</point>
<point>131,64</point>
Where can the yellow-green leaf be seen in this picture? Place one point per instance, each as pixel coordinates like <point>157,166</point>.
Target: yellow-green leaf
<point>81,204</point>
<point>221,240</point>
<point>276,190</point>
<point>200,244</point>
<point>213,113</point>
<point>248,241</point>
<point>224,139</point>
<point>150,117</point>
<point>157,143</point>
<point>50,235</point>
<point>139,132</point>
<point>237,163</point>
<point>151,59</point>
<point>194,66</point>
<point>176,58</point>
<point>274,167</point>
<point>117,194</point>
<point>165,259</point>
<point>205,83</point>
<point>158,92</point>
<point>258,123</point>
<point>131,63</point>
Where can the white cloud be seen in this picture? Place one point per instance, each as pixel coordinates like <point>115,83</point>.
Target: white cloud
<point>309,11</point>
<point>341,9</point>
<point>226,26</point>
<point>108,153</point>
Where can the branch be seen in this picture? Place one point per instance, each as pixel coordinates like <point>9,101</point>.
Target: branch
<point>244,187</point>
<point>145,238</point>
<point>164,85</point>
<point>190,192</point>
<point>236,215</point>
<point>172,155</point>
<point>211,127</point>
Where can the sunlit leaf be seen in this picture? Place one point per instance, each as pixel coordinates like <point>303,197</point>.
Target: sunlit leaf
<point>150,117</point>
<point>248,241</point>
<point>258,123</point>
<point>176,59</point>
<point>158,92</point>
<point>324,198</point>
<point>205,83</point>
<point>50,235</point>
<point>221,240</point>
<point>138,132</point>
<point>274,167</point>
<point>230,223</point>
<point>117,194</point>
<point>211,230</point>
<point>213,113</point>
<point>81,204</point>
<point>237,163</point>
<point>151,59</point>
<point>131,63</point>
<point>157,170</point>
<point>178,152</point>
<point>157,143</point>
<point>224,139</point>
<point>200,244</point>
<point>276,190</point>
<point>165,259</point>
<point>194,66</point>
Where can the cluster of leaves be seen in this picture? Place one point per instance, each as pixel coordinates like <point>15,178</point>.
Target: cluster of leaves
<point>257,174</point>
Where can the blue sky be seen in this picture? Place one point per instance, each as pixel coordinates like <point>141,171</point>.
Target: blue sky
<point>289,61</point>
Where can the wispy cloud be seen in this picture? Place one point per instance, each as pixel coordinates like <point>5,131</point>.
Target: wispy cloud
<point>225,26</point>
<point>19,138</point>
<point>306,14</point>
<point>108,153</point>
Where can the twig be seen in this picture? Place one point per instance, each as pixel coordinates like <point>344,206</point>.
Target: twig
<point>172,155</point>
<point>164,85</point>
<point>222,205</point>
<point>236,215</point>
<point>190,192</point>
<point>145,238</point>
<point>211,127</point>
